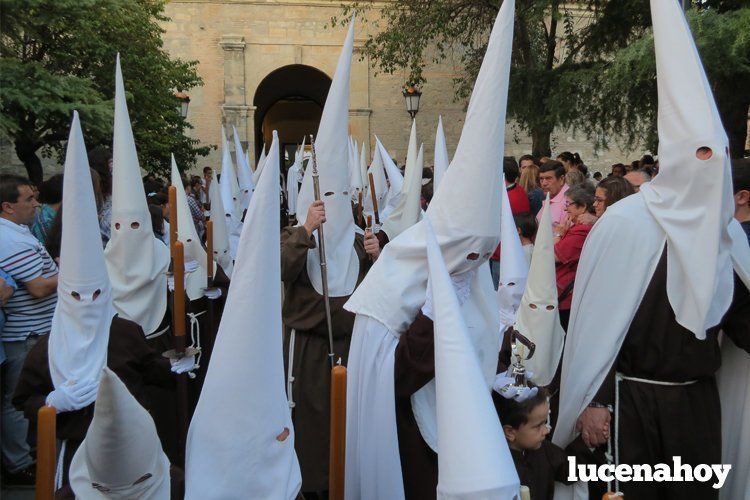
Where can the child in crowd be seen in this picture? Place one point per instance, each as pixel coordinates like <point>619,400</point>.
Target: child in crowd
<point>527,226</point>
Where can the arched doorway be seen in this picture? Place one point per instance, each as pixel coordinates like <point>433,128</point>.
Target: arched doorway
<point>290,100</point>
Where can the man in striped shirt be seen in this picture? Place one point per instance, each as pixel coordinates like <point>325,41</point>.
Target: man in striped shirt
<point>28,313</point>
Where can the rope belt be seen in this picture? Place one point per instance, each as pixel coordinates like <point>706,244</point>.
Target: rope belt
<point>157,333</point>
<point>619,377</point>
<point>59,468</point>
<point>290,376</point>
<point>195,336</point>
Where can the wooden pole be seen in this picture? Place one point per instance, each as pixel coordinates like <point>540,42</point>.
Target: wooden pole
<point>172,197</point>
<point>338,433</point>
<point>210,252</point>
<point>374,197</point>
<point>360,220</point>
<point>178,329</point>
<point>46,453</point>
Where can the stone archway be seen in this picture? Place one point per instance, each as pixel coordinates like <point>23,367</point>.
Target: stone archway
<point>290,100</point>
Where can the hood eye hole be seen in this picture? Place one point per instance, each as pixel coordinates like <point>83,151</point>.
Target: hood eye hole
<point>533,306</point>
<point>189,240</point>
<point>346,193</point>
<point>117,226</point>
<point>284,434</point>
<point>76,296</point>
<point>96,294</point>
<point>135,225</point>
<point>704,153</point>
<point>550,307</point>
<point>472,256</point>
<point>99,487</point>
<point>511,284</point>
<point>328,193</point>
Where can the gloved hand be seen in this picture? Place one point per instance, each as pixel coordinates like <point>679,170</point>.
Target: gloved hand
<point>73,396</point>
<point>461,285</point>
<point>212,293</point>
<point>183,365</point>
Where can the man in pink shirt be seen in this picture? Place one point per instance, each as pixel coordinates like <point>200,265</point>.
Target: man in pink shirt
<point>552,181</point>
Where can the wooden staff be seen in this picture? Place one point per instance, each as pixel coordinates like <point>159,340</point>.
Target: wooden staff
<point>374,199</point>
<point>210,253</point>
<point>172,192</point>
<point>360,220</point>
<point>179,351</point>
<point>338,433</point>
<point>46,452</point>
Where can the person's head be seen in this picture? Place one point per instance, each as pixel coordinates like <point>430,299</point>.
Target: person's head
<point>97,185</point>
<point>17,202</point>
<point>51,190</point>
<point>527,226</point>
<point>574,178</point>
<point>157,219</point>
<point>637,177</point>
<point>525,423</point>
<point>634,165</point>
<point>618,170</point>
<point>610,191</point>
<point>741,183</point>
<point>569,160</point>
<point>552,177</point>
<point>578,201</point>
<point>646,161</point>
<point>510,170</point>
<point>162,201</point>
<point>99,159</point>
<point>207,172</point>
<point>529,173</point>
<point>597,176</point>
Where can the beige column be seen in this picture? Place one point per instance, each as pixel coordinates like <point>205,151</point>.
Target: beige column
<point>235,110</point>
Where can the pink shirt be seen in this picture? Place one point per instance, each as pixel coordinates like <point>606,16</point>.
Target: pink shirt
<point>557,207</point>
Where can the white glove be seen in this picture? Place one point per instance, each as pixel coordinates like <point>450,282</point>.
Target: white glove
<point>212,293</point>
<point>73,396</point>
<point>183,365</point>
<point>505,385</point>
<point>191,266</point>
<point>461,285</point>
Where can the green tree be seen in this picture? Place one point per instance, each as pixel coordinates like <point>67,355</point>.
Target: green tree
<point>583,65</point>
<point>57,56</point>
<point>623,91</point>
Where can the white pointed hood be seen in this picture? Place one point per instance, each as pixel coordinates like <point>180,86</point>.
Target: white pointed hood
<point>539,316</point>
<point>363,166</point>
<point>514,268</point>
<point>441,156</point>
<point>408,210</point>
<point>260,165</point>
<point>243,413</point>
<point>465,213</point>
<point>699,272</point>
<point>121,456</point>
<point>293,179</point>
<point>474,461</point>
<point>222,254</point>
<point>195,281</point>
<point>80,326</point>
<point>244,174</point>
<point>355,171</point>
<point>381,186</point>
<point>395,182</point>
<point>137,262</point>
<point>331,153</point>
<point>230,196</point>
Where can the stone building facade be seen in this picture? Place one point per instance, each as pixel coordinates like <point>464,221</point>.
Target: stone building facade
<point>267,64</point>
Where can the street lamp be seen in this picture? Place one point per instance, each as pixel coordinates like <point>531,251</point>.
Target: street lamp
<point>183,103</point>
<point>412,95</point>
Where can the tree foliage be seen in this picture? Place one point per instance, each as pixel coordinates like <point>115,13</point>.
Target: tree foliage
<point>57,56</point>
<point>586,65</point>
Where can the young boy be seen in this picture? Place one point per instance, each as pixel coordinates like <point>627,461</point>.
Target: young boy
<point>524,412</point>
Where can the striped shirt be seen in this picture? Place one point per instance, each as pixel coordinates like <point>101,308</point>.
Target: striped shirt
<point>24,258</point>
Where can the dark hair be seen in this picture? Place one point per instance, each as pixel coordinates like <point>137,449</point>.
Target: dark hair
<point>573,158</point>
<point>619,166</point>
<point>528,157</point>
<point>515,414</point>
<point>53,242</point>
<point>741,174</point>
<point>597,173</point>
<point>582,196</point>
<point>553,166</point>
<point>159,199</point>
<point>157,219</point>
<point>526,222</point>
<point>646,160</point>
<point>9,186</point>
<point>510,169</point>
<point>51,190</point>
<point>617,188</point>
<point>207,169</point>
<point>99,160</point>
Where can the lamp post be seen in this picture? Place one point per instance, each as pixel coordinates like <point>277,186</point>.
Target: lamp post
<point>411,95</point>
<point>183,102</point>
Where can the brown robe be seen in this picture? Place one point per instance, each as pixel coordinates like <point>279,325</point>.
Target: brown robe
<point>304,311</point>
<point>657,422</point>
<point>128,356</point>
